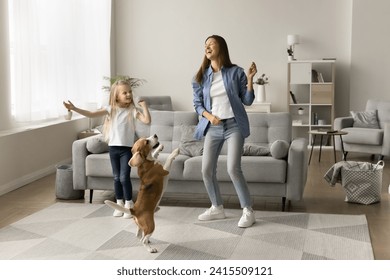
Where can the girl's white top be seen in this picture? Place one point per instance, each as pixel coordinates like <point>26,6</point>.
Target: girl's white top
<point>122,130</point>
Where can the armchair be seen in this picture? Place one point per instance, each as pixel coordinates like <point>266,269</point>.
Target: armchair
<point>367,139</point>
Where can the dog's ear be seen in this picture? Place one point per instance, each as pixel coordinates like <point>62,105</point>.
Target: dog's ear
<point>146,148</point>
<point>136,160</point>
<point>137,146</point>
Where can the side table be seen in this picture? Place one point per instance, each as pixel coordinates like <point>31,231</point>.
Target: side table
<point>258,107</point>
<point>327,133</point>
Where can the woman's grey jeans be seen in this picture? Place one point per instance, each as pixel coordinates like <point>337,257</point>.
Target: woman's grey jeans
<point>216,136</point>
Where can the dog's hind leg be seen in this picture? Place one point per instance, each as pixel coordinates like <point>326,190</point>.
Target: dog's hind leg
<point>139,233</point>
<point>145,241</point>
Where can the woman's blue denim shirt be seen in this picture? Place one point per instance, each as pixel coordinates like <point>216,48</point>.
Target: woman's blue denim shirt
<point>235,81</point>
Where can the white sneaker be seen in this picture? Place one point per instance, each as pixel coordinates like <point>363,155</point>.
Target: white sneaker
<point>128,204</point>
<point>247,218</point>
<point>118,213</point>
<point>214,213</point>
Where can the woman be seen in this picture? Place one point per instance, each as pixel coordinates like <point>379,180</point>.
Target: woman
<point>220,91</point>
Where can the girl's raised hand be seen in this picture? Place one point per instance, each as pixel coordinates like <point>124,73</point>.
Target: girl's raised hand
<point>69,105</point>
<point>142,103</point>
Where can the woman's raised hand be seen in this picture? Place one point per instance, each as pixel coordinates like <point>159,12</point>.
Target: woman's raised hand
<point>252,71</point>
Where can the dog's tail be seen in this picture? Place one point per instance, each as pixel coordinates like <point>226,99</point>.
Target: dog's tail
<point>117,206</point>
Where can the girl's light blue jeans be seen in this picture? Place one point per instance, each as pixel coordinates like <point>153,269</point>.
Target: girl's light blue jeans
<point>215,138</point>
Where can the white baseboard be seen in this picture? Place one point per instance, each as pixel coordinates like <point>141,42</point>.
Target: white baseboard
<point>29,178</point>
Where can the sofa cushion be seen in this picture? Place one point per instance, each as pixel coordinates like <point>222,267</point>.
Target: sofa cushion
<point>98,165</point>
<point>255,150</point>
<point>167,126</point>
<point>188,144</point>
<point>366,119</point>
<point>255,169</point>
<point>383,110</point>
<point>279,149</point>
<point>366,136</point>
<point>97,144</point>
<point>161,103</point>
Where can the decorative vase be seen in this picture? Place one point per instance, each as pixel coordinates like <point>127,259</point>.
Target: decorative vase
<point>261,97</point>
<point>68,116</point>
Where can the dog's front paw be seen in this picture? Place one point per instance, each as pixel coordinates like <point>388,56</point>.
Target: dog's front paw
<point>157,151</point>
<point>175,152</point>
<point>152,250</point>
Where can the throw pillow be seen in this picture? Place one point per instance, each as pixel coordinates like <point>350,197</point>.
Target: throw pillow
<point>188,144</point>
<point>367,119</point>
<point>97,145</point>
<point>255,150</point>
<point>279,149</point>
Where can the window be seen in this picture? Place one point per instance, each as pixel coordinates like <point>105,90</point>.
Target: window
<point>60,50</point>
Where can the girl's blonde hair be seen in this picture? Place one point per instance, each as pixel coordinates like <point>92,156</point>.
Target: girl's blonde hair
<point>113,102</point>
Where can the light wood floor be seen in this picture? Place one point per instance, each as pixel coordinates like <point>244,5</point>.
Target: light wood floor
<point>319,197</point>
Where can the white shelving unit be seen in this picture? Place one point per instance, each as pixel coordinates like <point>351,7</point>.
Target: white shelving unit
<point>311,83</point>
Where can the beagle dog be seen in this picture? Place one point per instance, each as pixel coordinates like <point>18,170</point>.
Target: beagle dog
<point>154,178</point>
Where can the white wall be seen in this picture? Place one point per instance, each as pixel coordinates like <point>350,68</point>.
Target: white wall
<point>370,67</point>
<point>31,154</point>
<point>5,102</point>
<point>163,41</point>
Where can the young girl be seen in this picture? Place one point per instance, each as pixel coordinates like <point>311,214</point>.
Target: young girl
<point>119,131</point>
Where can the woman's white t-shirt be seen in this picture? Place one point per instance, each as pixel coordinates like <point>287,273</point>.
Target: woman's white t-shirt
<point>122,127</point>
<point>220,104</point>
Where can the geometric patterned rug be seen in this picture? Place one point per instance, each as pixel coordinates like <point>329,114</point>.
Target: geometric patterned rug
<point>83,231</point>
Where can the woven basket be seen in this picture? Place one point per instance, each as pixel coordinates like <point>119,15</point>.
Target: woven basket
<point>363,185</point>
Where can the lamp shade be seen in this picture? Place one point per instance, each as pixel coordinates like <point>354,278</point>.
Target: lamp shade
<point>292,40</point>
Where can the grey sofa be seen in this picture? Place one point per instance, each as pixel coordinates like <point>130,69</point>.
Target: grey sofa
<point>372,135</point>
<point>267,176</point>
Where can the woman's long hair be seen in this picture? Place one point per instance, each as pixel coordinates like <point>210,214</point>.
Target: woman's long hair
<point>223,57</point>
<point>114,106</point>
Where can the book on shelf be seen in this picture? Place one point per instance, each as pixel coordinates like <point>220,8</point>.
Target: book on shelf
<point>293,97</point>
<point>320,78</point>
<point>314,76</point>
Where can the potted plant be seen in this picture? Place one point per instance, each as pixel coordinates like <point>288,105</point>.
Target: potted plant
<point>134,82</point>
<point>290,53</point>
<point>261,82</point>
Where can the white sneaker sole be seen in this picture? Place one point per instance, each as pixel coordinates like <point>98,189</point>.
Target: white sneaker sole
<point>219,216</point>
<point>246,224</point>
